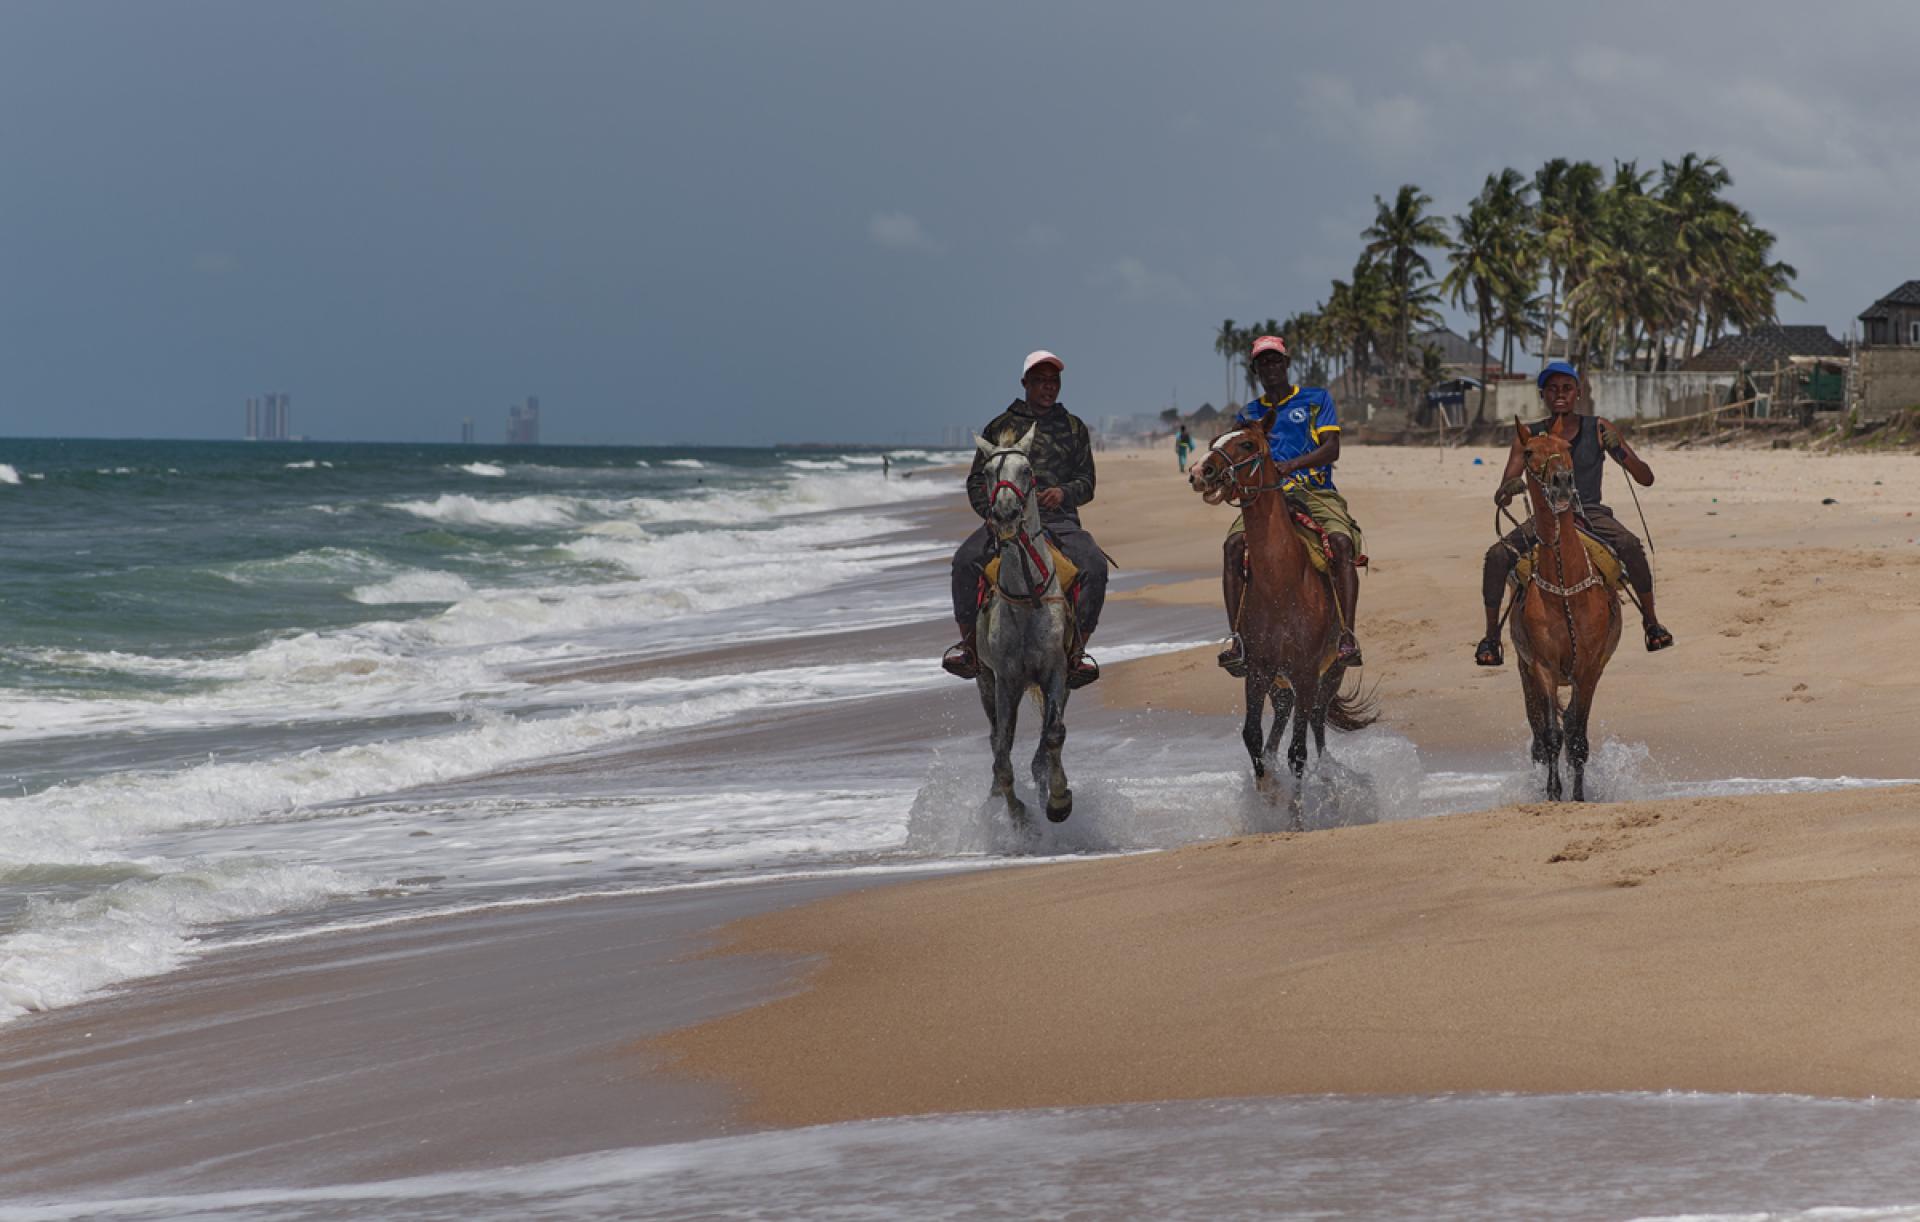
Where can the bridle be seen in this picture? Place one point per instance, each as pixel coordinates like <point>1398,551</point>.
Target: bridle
<point>1569,502</point>
<point>1033,561</point>
<point>1235,477</point>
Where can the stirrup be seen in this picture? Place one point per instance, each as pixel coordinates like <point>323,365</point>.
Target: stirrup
<point>961,662</point>
<point>1233,657</point>
<point>1081,671</point>
<point>1658,638</point>
<point>1489,653</point>
<point>1347,653</point>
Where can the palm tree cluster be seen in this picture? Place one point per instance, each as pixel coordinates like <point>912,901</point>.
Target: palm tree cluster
<point>1629,270</point>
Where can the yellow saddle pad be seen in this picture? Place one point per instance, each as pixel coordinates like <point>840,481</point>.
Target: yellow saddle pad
<point>1604,562</point>
<point>1057,558</point>
<point>1316,547</point>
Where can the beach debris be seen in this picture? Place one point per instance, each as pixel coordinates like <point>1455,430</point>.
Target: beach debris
<point>1827,500</point>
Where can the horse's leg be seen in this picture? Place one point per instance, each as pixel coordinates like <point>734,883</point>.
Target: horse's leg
<point>1048,775</point>
<point>1303,704</point>
<point>1553,736</point>
<point>1329,688</point>
<point>1006,715</point>
<point>1282,697</point>
<point>1258,684</point>
<point>1536,713</point>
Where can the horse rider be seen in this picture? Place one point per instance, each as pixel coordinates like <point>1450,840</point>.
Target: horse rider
<point>1303,435</point>
<point>1592,439</point>
<point>1062,459</point>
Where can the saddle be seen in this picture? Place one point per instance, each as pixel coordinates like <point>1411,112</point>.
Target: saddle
<point>1605,563</point>
<point>1318,544</point>
<point>1069,574</point>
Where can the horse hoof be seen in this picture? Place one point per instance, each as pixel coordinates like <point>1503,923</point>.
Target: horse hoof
<point>1017,809</point>
<point>1059,808</point>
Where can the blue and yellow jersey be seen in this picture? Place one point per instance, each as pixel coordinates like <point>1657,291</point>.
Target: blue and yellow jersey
<point>1297,425</point>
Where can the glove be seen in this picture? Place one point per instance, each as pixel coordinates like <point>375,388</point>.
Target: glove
<point>1512,488</point>
<point>1610,438</point>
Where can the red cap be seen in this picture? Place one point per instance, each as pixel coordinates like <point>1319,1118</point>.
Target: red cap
<point>1268,343</point>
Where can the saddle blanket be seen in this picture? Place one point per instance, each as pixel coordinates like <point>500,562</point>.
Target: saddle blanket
<point>1604,562</point>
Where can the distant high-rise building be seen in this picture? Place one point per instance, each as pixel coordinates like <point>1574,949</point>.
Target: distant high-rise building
<point>466,431</point>
<point>269,418</point>
<point>523,423</point>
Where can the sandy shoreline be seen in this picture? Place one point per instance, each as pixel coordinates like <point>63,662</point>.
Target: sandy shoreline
<point>1722,944</point>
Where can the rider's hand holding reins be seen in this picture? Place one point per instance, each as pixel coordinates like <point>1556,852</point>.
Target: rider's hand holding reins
<point>1510,489</point>
<point>1052,498</point>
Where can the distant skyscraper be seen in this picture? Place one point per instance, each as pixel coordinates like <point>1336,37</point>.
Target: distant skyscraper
<point>269,418</point>
<point>523,423</point>
<point>466,431</point>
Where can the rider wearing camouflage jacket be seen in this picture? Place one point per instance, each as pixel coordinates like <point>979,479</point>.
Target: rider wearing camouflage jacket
<point>1062,458</point>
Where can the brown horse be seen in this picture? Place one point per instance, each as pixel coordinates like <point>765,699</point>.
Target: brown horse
<point>1288,617</point>
<point>1566,622</point>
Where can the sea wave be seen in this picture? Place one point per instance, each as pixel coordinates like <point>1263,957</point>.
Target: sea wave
<point>416,586</point>
<point>460,509</point>
<point>691,464</point>
<point>8,475</point>
<point>483,468</point>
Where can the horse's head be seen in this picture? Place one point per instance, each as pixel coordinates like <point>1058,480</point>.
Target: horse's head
<point>1011,491</point>
<point>1549,464</point>
<point>1230,469</point>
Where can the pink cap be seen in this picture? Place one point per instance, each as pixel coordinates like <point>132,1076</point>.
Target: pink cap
<point>1268,343</point>
<point>1041,356</point>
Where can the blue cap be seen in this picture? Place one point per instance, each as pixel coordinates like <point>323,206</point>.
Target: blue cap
<point>1552,368</point>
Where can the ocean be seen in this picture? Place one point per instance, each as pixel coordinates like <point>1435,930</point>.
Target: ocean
<point>266,694</point>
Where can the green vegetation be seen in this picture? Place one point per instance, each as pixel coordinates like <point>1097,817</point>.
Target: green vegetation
<point>1630,271</point>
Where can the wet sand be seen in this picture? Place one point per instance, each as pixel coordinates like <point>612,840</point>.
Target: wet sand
<point>441,1044</point>
<point>1722,944</point>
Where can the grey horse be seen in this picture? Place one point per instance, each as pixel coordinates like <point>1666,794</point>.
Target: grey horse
<point>1023,632</point>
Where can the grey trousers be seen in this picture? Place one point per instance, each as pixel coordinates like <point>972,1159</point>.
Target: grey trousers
<point>1605,527</point>
<point>970,562</point>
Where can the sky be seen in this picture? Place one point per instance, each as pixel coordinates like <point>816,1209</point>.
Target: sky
<point>751,223</point>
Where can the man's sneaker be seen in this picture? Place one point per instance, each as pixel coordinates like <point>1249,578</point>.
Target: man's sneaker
<point>1081,671</point>
<point>1658,638</point>
<point>1233,657</point>
<point>961,662</point>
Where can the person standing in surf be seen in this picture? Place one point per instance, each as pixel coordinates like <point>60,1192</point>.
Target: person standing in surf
<point>1062,458</point>
<point>1593,440</point>
<point>1303,435</point>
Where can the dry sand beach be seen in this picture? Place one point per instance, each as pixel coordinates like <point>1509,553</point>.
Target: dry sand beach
<point>1746,943</point>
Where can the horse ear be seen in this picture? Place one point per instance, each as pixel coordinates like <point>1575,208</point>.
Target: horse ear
<point>1521,433</point>
<point>1026,439</point>
<point>986,447</point>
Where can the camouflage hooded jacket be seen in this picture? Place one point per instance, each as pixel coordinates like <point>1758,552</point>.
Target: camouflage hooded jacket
<point>1062,455</point>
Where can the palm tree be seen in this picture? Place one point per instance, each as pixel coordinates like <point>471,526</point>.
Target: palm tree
<point>1398,233</point>
<point>1226,342</point>
<point>1564,224</point>
<point>1474,268</point>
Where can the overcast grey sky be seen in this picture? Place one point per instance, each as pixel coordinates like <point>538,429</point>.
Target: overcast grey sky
<point>745,222</point>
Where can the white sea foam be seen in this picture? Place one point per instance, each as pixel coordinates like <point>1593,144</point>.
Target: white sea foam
<point>1488,1157</point>
<point>460,509</point>
<point>308,465</point>
<point>483,468</point>
<point>641,462</point>
<point>692,464</point>
<point>415,587</point>
<point>314,564</point>
<point>817,464</point>
<point>64,952</point>
<point>8,475</point>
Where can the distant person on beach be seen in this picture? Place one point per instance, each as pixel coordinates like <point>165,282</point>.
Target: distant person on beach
<point>1592,439</point>
<point>1303,435</point>
<point>886,467</point>
<point>1182,446</point>
<point>1062,458</point>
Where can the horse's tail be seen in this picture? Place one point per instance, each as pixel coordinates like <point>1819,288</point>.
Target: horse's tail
<point>1355,710</point>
